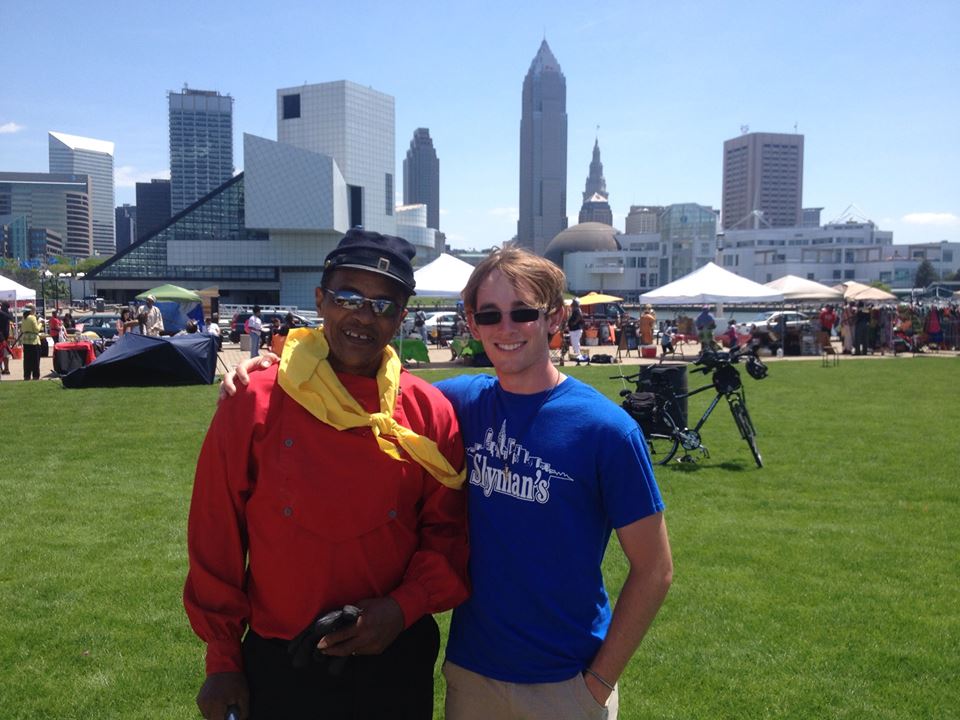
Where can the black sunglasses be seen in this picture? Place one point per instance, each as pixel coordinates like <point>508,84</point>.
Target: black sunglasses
<point>517,315</point>
<point>349,300</point>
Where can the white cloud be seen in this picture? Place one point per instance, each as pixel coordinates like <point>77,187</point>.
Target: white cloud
<point>511,212</point>
<point>10,128</point>
<point>129,176</point>
<point>931,218</point>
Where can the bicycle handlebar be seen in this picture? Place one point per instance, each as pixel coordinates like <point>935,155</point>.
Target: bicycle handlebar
<point>707,362</point>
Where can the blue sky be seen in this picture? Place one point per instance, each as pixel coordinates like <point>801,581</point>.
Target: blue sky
<point>874,86</point>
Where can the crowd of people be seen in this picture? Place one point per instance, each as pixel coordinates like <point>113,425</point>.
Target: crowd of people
<point>866,328</point>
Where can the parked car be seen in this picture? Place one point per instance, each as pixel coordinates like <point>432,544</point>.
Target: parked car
<point>771,320</point>
<point>444,323</point>
<point>238,324</point>
<point>103,324</point>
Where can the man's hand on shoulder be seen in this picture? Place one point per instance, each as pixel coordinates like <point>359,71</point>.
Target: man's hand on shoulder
<point>240,375</point>
<point>380,621</point>
<point>220,691</point>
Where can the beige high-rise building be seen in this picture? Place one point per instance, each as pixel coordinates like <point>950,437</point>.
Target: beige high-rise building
<point>763,181</point>
<point>643,219</point>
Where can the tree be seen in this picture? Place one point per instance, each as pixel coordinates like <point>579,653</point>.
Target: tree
<point>926,274</point>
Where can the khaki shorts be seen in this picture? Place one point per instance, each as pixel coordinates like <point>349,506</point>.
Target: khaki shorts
<point>476,697</point>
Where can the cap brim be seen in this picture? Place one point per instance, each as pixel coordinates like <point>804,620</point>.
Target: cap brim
<point>386,274</point>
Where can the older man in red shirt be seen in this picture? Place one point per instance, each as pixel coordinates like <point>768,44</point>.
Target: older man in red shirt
<point>333,479</point>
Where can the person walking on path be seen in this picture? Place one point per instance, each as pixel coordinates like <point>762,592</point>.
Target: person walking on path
<point>706,325</point>
<point>29,337</point>
<point>575,326</point>
<point>254,326</point>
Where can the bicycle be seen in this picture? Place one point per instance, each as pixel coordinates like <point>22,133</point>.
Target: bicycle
<point>659,410</point>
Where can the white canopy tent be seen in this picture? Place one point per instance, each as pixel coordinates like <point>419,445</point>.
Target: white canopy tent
<point>15,292</point>
<point>798,288</point>
<point>711,284</point>
<point>444,277</point>
<point>853,290</point>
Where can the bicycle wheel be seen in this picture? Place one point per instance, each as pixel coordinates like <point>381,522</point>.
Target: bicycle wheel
<point>662,444</point>
<point>742,418</point>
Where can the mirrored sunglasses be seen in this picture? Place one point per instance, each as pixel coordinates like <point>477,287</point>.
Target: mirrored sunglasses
<point>349,300</point>
<point>517,315</point>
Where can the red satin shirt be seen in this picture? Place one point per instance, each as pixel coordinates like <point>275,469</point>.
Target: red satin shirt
<point>291,517</point>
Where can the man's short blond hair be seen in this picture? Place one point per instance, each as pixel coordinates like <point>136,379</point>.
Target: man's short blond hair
<point>530,274</point>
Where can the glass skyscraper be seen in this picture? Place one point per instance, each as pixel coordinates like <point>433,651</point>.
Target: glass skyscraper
<point>201,144</point>
<point>74,155</point>
<point>543,153</point>
<point>421,176</point>
<point>58,203</point>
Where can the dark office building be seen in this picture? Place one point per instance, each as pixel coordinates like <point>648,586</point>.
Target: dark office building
<point>543,153</point>
<point>201,144</point>
<point>153,206</point>
<point>421,176</point>
<point>125,222</point>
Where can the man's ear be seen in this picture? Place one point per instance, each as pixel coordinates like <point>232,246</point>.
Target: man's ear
<point>318,297</point>
<point>557,317</point>
<point>474,329</point>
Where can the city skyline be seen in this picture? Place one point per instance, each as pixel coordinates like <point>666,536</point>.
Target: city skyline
<point>868,87</point>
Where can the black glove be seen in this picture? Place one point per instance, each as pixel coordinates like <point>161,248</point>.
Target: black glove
<point>303,647</point>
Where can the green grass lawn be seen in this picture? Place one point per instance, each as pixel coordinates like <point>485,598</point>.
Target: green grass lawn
<point>826,585</point>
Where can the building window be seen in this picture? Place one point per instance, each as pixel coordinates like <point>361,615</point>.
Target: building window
<point>848,274</point>
<point>836,275</point>
<point>291,106</point>
<point>355,202</point>
<point>811,276</point>
<point>885,276</point>
<point>388,188</point>
<point>631,262</point>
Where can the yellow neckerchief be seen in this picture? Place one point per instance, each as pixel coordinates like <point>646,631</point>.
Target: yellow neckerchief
<point>307,377</point>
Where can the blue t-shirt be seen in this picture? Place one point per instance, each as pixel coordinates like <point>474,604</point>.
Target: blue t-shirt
<point>549,477</point>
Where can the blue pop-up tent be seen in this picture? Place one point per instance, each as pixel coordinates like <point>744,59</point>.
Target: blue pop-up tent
<point>136,359</point>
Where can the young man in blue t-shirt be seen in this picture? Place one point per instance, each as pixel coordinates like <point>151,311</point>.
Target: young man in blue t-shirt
<point>553,468</point>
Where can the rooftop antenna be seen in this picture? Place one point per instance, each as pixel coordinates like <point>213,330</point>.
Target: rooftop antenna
<point>744,129</point>
<point>795,124</point>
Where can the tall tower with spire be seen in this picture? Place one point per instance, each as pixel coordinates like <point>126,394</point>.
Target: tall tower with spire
<point>596,183</point>
<point>543,153</point>
<point>596,207</point>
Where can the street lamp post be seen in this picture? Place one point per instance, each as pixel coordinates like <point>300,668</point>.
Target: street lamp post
<point>69,277</point>
<point>45,274</point>
<point>83,285</point>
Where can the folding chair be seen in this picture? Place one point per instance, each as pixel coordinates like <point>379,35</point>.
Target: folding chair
<point>558,348</point>
<point>827,351</point>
